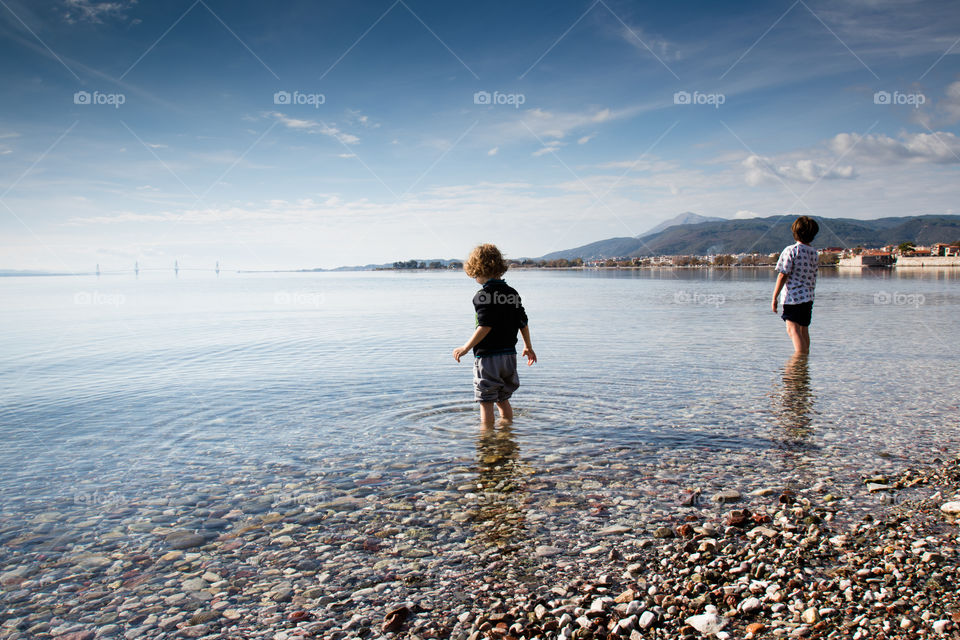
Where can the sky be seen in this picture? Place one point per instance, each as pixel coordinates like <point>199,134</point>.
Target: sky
<point>302,134</point>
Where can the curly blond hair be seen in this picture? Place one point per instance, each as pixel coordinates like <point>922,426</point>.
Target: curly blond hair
<point>485,261</point>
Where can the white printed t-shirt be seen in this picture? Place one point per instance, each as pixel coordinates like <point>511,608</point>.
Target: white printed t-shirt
<point>799,263</point>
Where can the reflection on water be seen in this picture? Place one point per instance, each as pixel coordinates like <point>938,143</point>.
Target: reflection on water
<point>499,517</point>
<point>795,401</point>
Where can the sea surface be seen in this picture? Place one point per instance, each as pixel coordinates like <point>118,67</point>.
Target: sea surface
<point>118,391</point>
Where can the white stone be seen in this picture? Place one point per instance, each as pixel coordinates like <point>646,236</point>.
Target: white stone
<point>647,620</point>
<point>951,508</point>
<point>614,530</point>
<point>627,623</point>
<point>941,626</point>
<point>709,624</point>
<point>750,605</point>
<point>727,495</point>
<point>810,615</point>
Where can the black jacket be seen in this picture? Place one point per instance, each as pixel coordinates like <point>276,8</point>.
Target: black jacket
<point>498,306</point>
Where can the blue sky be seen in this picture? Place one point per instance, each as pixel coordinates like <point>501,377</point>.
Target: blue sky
<point>161,131</point>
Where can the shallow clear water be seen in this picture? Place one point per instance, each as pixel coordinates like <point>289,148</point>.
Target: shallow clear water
<point>118,390</point>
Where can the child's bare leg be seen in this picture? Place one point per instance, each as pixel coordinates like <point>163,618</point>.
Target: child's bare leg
<point>486,414</point>
<point>806,339</point>
<point>506,412</point>
<point>795,332</point>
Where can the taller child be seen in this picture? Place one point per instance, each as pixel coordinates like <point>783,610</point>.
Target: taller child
<point>797,277</point>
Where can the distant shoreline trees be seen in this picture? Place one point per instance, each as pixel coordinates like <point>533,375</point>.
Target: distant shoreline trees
<point>722,260</point>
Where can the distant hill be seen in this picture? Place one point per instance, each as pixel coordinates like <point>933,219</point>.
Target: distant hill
<point>687,217</point>
<point>769,235</point>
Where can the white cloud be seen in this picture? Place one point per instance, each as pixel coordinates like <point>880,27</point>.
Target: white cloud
<point>493,151</point>
<point>550,147</point>
<point>745,214</point>
<point>346,155</point>
<point>92,11</point>
<point>601,116</point>
<point>647,43</point>
<point>941,147</point>
<point>640,164</point>
<point>355,116</point>
<point>311,126</point>
<point>553,124</point>
<point>584,139</point>
<point>950,105</point>
<point>761,169</point>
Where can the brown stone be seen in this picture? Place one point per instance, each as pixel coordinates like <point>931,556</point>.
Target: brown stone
<point>299,616</point>
<point>627,596</point>
<point>394,619</point>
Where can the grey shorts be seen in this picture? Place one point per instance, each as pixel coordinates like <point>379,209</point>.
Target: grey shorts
<point>495,377</point>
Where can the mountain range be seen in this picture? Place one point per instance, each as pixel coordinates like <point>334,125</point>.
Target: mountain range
<point>766,235</point>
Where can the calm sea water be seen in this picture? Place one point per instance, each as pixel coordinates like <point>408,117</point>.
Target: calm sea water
<point>111,385</point>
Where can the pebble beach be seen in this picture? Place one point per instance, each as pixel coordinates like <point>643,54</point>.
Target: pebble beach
<point>484,557</point>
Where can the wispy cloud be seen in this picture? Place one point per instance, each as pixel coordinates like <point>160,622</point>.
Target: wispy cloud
<point>543,123</point>
<point>550,147</point>
<point>646,42</point>
<point>94,11</point>
<point>312,126</point>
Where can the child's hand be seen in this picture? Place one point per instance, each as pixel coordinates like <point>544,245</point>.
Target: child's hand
<point>531,356</point>
<point>773,305</point>
<point>459,351</point>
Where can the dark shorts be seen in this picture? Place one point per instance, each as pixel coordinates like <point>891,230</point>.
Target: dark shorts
<point>495,377</point>
<point>799,313</point>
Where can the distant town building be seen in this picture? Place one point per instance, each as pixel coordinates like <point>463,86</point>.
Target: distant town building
<point>869,258</point>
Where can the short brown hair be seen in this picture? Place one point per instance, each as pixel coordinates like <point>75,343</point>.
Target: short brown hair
<point>804,229</point>
<point>485,261</point>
